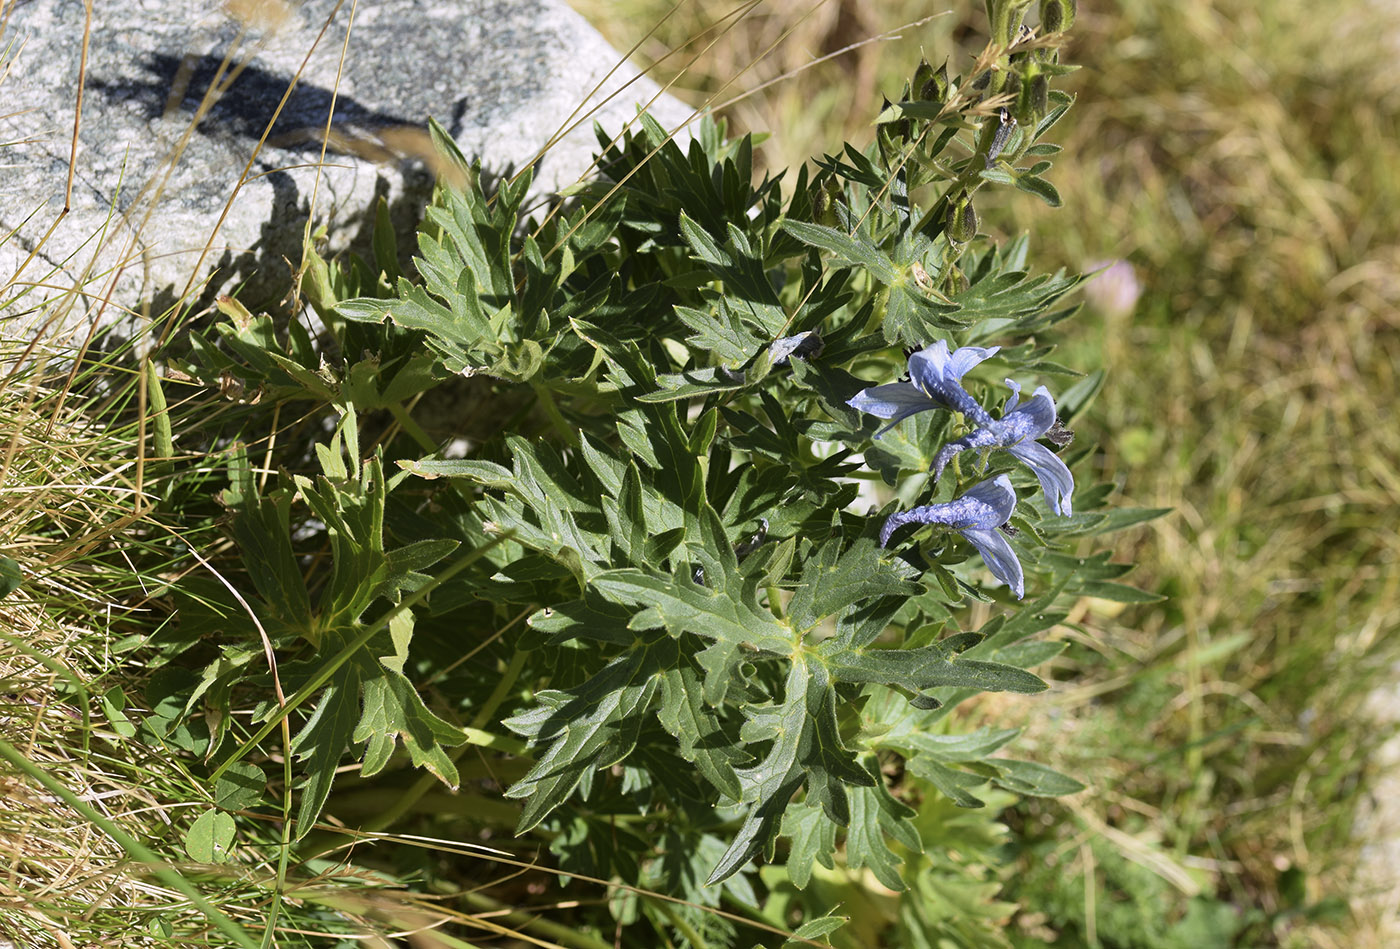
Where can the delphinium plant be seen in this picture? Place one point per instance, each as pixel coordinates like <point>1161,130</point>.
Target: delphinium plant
<point>696,591</point>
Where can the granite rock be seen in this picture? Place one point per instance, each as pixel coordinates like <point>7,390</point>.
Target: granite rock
<point>153,177</point>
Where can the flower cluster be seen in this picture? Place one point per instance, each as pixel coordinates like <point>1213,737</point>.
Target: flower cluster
<point>935,382</point>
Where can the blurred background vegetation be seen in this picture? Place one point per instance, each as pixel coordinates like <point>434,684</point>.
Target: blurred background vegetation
<point>1244,159</point>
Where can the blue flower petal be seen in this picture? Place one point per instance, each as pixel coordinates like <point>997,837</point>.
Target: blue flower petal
<point>895,401</point>
<point>998,499</point>
<point>939,373</point>
<point>1037,415</point>
<point>976,515</point>
<point>949,514</point>
<point>999,558</point>
<point>965,357</point>
<point>1053,474</point>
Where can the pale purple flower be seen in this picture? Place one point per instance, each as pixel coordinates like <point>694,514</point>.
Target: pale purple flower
<point>935,382</point>
<point>1115,290</point>
<point>1016,431</point>
<point>976,515</point>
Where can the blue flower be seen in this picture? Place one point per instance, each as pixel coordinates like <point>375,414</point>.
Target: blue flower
<point>976,515</point>
<point>935,382</point>
<point>1016,431</point>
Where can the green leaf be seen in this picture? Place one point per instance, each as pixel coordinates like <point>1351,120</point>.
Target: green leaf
<point>262,530</point>
<point>912,316</point>
<point>853,249</point>
<point>210,837</point>
<point>365,702</point>
<point>240,786</point>
<point>718,330</point>
<point>807,749</point>
<point>586,619</point>
<point>1042,189</point>
<point>819,927</point>
<point>833,579</point>
<point>876,817</point>
<point>323,741</point>
<point>586,728</point>
<point>394,711</point>
<point>694,383</point>
<point>913,740</point>
<point>953,784</point>
<point>1125,517</point>
<point>1033,779</point>
<point>727,615</point>
<point>1117,592</point>
<point>113,703</point>
<point>10,577</point>
<point>488,474</point>
<point>929,667</point>
<point>813,840</point>
<point>1074,400</point>
<point>701,737</point>
<point>749,294</point>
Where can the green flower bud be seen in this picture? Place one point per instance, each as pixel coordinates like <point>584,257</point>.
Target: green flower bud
<point>893,136</point>
<point>922,75</point>
<point>961,225</point>
<point>824,198</point>
<point>935,88</point>
<point>1040,95</point>
<point>1011,85</point>
<point>1023,108</point>
<point>1056,16</point>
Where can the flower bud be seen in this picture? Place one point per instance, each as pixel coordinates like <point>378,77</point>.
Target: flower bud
<point>935,88</point>
<point>1056,16</point>
<point>1040,95</point>
<point>823,204</point>
<point>961,225</point>
<point>922,75</point>
<point>893,136</point>
<point>826,195</point>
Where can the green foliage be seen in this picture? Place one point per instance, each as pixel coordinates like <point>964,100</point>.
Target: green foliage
<point>365,699</point>
<point>720,661</point>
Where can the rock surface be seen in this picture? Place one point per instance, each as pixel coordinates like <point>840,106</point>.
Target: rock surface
<point>150,183</point>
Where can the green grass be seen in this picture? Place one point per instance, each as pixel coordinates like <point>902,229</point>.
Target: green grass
<point>1243,158</point>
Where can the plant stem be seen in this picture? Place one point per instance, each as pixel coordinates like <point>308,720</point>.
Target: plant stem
<point>498,694</point>
<point>551,409</point>
<point>414,430</point>
<point>564,935</point>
